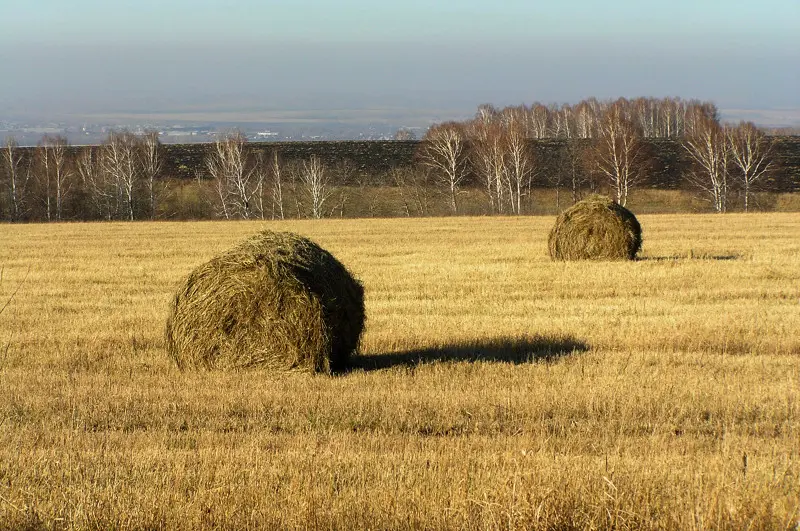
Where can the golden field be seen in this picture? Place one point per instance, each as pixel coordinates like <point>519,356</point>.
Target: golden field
<point>496,389</point>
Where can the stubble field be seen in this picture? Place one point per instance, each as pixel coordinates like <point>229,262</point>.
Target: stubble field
<point>496,389</point>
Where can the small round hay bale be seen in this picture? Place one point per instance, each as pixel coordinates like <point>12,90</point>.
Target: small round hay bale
<point>596,228</point>
<point>277,301</point>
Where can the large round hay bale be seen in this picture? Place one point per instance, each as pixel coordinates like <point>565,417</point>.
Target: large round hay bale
<point>596,228</point>
<point>277,301</point>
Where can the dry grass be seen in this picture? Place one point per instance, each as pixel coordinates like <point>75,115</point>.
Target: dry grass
<point>595,228</point>
<point>498,389</point>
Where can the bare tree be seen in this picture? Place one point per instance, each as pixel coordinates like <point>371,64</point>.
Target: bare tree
<point>444,150</point>
<point>413,184</point>
<point>63,173</point>
<point>750,154</point>
<point>697,115</point>
<point>236,182</point>
<point>563,121</point>
<point>42,174</point>
<point>16,184</point>
<point>647,116</point>
<point>261,169</point>
<point>586,114</point>
<point>486,113</point>
<point>96,182</point>
<point>619,151</point>
<point>573,161</point>
<point>539,120</point>
<point>120,161</point>
<point>708,149</point>
<point>556,180</point>
<point>276,171</point>
<point>671,117</point>
<point>152,160</point>
<point>57,172</point>
<point>520,164</point>
<point>404,134</point>
<point>489,154</point>
<point>352,181</point>
<point>315,180</point>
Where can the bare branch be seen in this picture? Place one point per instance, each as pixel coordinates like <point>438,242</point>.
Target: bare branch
<point>444,150</point>
<point>750,154</point>
<point>709,152</point>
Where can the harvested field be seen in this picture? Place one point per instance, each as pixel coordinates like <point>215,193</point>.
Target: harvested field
<point>496,388</point>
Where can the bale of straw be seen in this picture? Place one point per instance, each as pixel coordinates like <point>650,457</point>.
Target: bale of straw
<point>596,228</point>
<point>277,301</point>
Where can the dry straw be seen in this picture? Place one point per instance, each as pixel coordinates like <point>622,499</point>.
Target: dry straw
<point>277,301</point>
<point>596,228</point>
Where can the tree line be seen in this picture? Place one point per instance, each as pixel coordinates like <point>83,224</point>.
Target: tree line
<point>608,148</point>
<point>120,179</point>
<point>503,153</point>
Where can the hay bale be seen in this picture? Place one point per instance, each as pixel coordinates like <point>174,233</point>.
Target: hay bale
<point>596,228</point>
<point>277,301</point>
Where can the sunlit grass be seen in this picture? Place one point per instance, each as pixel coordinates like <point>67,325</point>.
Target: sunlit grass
<point>495,388</point>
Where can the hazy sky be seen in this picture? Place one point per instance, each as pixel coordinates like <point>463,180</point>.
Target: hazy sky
<point>86,56</point>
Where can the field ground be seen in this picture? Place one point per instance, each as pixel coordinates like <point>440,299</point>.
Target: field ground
<point>185,202</point>
<point>496,389</point>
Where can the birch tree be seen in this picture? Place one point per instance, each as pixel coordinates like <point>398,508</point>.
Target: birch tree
<point>520,166</point>
<point>316,185</point>
<point>539,119</point>
<point>16,183</point>
<point>120,161</point>
<point>619,152</point>
<point>96,182</point>
<point>671,117</point>
<point>151,154</point>
<point>236,181</point>
<point>404,135</point>
<point>62,172</point>
<point>261,170</point>
<point>707,147</point>
<point>586,114</point>
<point>42,174</point>
<point>750,155</point>
<point>55,174</point>
<point>563,121</point>
<point>444,151</point>
<point>489,154</point>
<point>276,172</point>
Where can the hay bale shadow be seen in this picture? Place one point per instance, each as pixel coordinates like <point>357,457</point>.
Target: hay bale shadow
<point>501,350</point>
<point>691,256</point>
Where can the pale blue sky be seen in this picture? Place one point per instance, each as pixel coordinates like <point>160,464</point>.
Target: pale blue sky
<point>87,56</point>
<point>774,22</point>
